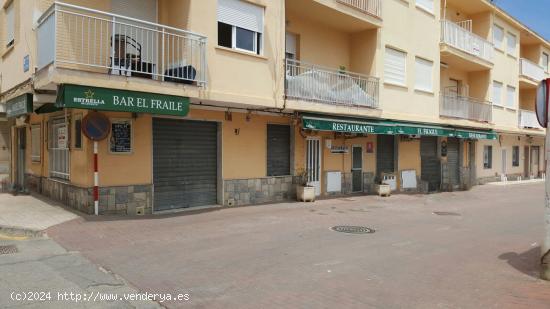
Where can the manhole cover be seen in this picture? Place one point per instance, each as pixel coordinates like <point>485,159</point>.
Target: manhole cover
<point>8,249</point>
<point>353,229</point>
<point>446,213</point>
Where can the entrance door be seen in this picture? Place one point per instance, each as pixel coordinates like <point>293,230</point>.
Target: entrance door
<point>453,161</point>
<point>504,161</point>
<point>526,161</point>
<point>535,158</point>
<point>185,163</point>
<point>313,164</point>
<point>385,154</point>
<point>430,164</point>
<point>357,169</point>
<point>21,146</point>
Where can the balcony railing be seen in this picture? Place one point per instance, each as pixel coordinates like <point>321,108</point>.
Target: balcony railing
<point>531,70</point>
<point>465,108</point>
<point>528,119</point>
<point>460,38</point>
<point>85,39</point>
<point>371,7</point>
<point>310,82</point>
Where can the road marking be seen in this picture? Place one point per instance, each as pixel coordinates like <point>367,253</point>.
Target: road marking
<point>8,237</point>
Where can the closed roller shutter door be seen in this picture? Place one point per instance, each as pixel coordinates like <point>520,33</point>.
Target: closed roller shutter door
<point>385,154</point>
<point>452,161</point>
<point>278,150</point>
<point>185,163</point>
<point>430,164</point>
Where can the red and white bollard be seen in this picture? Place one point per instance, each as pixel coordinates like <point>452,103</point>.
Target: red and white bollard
<point>96,181</point>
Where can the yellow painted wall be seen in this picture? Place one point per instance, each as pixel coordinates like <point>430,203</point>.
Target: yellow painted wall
<point>409,156</point>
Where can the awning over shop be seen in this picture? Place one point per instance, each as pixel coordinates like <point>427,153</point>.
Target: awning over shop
<point>47,108</point>
<point>20,105</point>
<point>107,99</point>
<point>361,126</point>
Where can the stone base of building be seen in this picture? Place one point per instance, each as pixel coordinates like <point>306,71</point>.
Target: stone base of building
<point>127,200</point>
<point>239,192</point>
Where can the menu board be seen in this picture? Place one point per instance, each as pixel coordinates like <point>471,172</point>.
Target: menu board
<point>121,136</point>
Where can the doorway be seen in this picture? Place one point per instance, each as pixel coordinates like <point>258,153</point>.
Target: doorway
<point>357,169</point>
<point>526,172</point>
<point>21,158</point>
<point>313,164</point>
<point>504,161</point>
<point>535,159</point>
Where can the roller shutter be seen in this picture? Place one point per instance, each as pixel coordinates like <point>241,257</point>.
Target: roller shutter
<point>278,150</point>
<point>385,154</point>
<point>453,161</point>
<point>430,164</point>
<point>185,163</point>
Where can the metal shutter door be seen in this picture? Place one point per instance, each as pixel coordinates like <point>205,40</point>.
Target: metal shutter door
<point>185,163</point>
<point>452,161</point>
<point>278,150</point>
<point>430,164</point>
<point>385,154</point>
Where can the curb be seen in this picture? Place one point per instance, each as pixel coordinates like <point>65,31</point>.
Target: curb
<point>21,232</point>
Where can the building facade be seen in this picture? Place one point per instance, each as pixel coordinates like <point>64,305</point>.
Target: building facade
<point>226,102</point>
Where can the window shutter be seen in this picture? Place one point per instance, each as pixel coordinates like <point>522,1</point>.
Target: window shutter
<point>138,9</point>
<point>428,5</point>
<point>497,93</point>
<point>511,96</point>
<point>10,21</point>
<point>290,44</point>
<point>498,36</point>
<point>395,66</point>
<point>423,75</point>
<point>241,14</point>
<point>511,40</point>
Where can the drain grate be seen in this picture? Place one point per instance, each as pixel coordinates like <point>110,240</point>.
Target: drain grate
<point>352,229</point>
<point>446,213</point>
<point>9,249</point>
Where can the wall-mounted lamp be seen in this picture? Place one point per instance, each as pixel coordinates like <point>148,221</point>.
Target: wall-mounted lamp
<point>237,131</point>
<point>228,116</point>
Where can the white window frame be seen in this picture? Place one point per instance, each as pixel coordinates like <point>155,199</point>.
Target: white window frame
<point>36,149</point>
<point>255,43</point>
<point>511,97</point>
<point>498,44</point>
<point>511,50</point>
<point>426,5</point>
<point>545,59</point>
<point>56,152</point>
<point>233,6</point>
<point>291,45</point>
<point>9,12</point>
<point>418,61</point>
<point>494,98</point>
<point>396,82</point>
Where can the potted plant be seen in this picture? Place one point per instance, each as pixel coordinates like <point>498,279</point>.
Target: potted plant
<point>304,191</point>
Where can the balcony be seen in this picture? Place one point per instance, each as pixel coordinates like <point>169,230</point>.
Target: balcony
<point>528,120</point>
<point>464,49</point>
<point>371,7</point>
<point>308,82</point>
<point>530,73</point>
<point>75,37</point>
<point>455,106</point>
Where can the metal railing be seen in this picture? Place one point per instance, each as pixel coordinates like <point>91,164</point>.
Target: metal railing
<point>87,39</point>
<point>531,70</point>
<point>371,7</point>
<point>465,108</point>
<point>466,41</point>
<point>528,119</point>
<point>314,83</point>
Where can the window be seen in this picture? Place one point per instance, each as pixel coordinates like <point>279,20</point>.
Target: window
<point>278,150</point>
<point>291,46</point>
<point>59,150</point>
<point>424,80</point>
<point>544,61</point>
<point>512,42</point>
<point>510,97</point>
<point>78,132</point>
<point>10,24</point>
<point>395,67</point>
<point>427,5</point>
<point>498,36</point>
<point>497,93</point>
<point>487,157</point>
<point>240,25</point>
<point>515,156</point>
<point>35,143</point>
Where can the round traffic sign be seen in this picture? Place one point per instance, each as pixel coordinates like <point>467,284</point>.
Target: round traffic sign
<point>541,104</point>
<point>96,126</point>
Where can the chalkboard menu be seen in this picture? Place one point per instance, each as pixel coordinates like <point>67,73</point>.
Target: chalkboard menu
<point>121,136</point>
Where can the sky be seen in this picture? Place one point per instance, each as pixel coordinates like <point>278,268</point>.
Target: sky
<point>533,13</point>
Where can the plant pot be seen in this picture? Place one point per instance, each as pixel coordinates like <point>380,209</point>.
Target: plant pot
<point>305,194</point>
<point>383,190</point>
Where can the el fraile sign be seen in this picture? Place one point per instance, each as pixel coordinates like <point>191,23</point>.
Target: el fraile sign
<point>106,99</point>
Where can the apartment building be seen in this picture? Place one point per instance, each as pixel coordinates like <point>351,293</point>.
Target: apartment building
<point>224,102</point>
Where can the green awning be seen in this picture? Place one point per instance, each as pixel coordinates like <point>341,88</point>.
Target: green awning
<point>360,126</point>
<point>47,108</point>
<point>107,99</point>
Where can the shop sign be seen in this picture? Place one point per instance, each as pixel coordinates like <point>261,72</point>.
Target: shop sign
<point>339,149</point>
<point>370,147</point>
<point>476,135</point>
<point>347,127</point>
<point>19,106</point>
<point>107,99</point>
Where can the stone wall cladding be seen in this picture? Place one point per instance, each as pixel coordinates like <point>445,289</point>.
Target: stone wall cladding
<point>259,190</point>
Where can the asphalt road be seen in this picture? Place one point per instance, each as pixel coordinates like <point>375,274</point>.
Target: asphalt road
<point>481,252</point>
